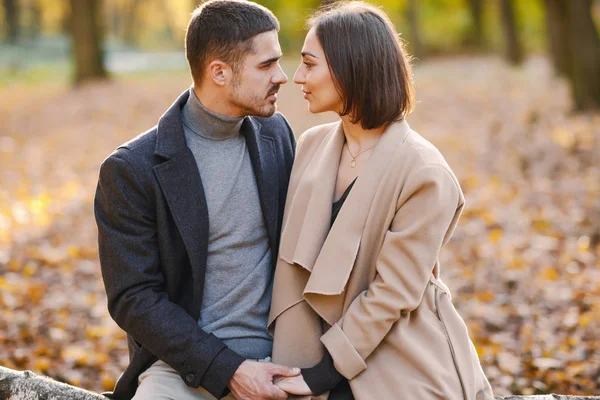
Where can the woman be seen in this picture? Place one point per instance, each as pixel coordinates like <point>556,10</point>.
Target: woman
<point>357,296</point>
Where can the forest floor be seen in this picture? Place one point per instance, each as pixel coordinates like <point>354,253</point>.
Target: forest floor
<point>523,264</point>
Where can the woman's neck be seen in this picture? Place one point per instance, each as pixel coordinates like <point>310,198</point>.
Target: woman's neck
<point>358,138</point>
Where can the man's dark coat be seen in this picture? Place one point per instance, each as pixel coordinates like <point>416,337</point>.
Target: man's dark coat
<point>152,221</point>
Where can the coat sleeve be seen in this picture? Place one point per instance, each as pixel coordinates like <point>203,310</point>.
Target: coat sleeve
<point>426,213</point>
<point>137,300</point>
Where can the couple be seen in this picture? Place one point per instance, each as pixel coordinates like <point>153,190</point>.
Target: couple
<point>225,295</point>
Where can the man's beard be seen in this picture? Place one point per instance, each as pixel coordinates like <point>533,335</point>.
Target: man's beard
<point>254,104</point>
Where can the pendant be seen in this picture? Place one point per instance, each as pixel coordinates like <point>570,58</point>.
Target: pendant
<point>353,163</point>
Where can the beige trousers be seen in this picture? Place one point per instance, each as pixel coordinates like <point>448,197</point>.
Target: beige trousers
<point>161,382</point>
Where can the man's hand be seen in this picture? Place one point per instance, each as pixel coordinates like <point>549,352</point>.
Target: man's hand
<point>294,385</point>
<point>254,381</point>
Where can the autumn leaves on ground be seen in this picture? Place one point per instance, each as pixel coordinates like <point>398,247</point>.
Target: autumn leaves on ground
<point>523,264</point>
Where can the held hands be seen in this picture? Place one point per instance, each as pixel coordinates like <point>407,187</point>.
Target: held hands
<point>294,385</point>
<point>254,381</point>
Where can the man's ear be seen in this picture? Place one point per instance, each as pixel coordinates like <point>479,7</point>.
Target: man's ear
<point>219,72</point>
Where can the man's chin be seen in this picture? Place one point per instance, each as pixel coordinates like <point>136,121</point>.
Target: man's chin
<point>265,111</point>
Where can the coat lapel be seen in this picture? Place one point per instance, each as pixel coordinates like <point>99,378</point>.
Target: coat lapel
<point>181,185</point>
<point>330,255</point>
<point>308,207</point>
<point>264,163</point>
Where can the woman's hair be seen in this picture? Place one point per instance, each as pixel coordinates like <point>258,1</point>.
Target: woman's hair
<point>367,61</point>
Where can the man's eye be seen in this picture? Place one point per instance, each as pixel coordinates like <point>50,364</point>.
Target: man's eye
<point>266,66</point>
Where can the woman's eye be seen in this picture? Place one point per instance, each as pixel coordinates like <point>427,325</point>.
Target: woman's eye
<point>308,64</point>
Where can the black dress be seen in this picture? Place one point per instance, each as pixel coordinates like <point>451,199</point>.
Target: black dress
<point>324,376</point>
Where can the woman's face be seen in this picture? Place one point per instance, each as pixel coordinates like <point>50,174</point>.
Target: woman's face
<point>314,76</point>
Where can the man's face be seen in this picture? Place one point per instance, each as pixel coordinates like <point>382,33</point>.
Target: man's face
<point>256,82</point>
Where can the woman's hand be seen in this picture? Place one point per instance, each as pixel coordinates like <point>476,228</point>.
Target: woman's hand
<point>293,385</point>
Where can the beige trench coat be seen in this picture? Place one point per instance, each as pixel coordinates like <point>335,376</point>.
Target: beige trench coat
<point>369,289</point>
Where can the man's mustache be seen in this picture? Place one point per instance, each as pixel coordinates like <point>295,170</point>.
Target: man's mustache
<point>274,90</point>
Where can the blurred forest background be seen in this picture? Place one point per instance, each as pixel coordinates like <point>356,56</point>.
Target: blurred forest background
<point>509,90</point>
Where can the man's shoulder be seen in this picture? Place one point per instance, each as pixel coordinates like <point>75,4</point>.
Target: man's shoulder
<point>142,143</point>
<point>137,151</point>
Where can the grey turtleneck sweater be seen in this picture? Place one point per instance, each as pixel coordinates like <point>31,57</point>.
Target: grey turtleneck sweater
<point>239,279</point>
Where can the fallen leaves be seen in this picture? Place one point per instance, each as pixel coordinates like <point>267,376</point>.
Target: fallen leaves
<point>523,264</point>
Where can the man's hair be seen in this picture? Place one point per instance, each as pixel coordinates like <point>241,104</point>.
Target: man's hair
<point>367,61</point>
<point>223,30</point>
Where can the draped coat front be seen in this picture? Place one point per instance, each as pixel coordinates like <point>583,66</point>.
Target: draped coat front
<point>369,289</point>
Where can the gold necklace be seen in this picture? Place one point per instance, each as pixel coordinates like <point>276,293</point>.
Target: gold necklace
<point>353,162</point>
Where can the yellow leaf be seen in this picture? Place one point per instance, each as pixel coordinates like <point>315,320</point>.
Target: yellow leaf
<point>42,364</point>
<point>550,274</point>
<point>74,252</point>
<point>485,297</point>
<point>585,319</point>
<point>583,244</point>
<point>96,332</point>
<point>108,382</point>
<point>75,354</point>
<point>564,137</point>
<point>495,235</point>
<point>30,269</point>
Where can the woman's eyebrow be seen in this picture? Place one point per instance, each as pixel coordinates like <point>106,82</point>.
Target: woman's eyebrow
<point>306,53</point>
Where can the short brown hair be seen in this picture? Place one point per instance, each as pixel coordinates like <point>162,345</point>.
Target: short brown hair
<point>224,29</point>
<point>367,61</point>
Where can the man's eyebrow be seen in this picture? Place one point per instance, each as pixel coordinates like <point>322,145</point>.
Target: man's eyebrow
<point>271,60</point>
<point>306,53</point>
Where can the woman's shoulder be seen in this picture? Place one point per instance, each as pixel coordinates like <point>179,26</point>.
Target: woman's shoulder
<point>317,133</point>
<point>421,151</point>
<point>422,161</point>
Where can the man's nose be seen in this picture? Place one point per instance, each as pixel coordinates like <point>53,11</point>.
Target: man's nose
<point>281,77</point>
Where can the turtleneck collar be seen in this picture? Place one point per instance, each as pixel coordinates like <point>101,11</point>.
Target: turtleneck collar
<point>206,123</point>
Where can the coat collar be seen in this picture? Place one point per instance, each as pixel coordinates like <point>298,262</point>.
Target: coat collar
<point>263,157</point>
<point>329,254</point>
<point>170,138</point>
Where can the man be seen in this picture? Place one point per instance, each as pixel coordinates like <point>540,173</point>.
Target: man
<point>189,215</point>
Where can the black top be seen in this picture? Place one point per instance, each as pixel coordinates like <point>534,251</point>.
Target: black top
<point>323,376</point>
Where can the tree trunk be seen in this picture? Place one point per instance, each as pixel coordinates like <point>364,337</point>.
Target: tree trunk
<point>475,35</point>
<point>415,36</point>
<point>36,19</point>
<point>169,26</point>
<point>131,22</point>
<point>585,46</point>
<point>86,36</point>
<point>514,50</point>
<point>558,35</point>
<point>11,18</point>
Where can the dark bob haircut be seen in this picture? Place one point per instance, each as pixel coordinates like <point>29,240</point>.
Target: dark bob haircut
<point>367,61</point>
<point>224,29</point>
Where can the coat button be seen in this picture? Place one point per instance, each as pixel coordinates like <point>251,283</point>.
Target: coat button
<point>189,378</point>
